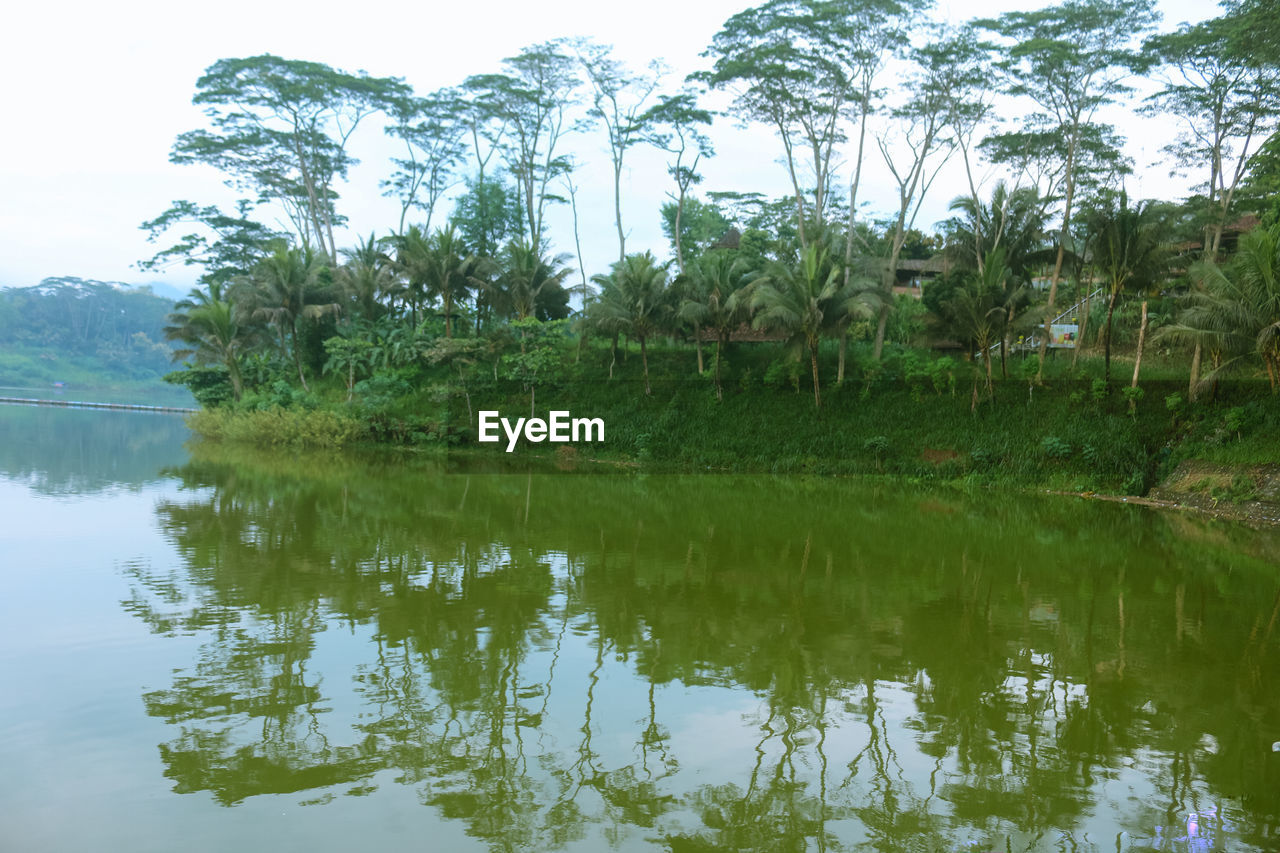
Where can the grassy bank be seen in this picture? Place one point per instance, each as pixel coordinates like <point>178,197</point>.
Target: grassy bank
<point>912,416</point>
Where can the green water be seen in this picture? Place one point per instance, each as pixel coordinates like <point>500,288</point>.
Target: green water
<point>215,650</point>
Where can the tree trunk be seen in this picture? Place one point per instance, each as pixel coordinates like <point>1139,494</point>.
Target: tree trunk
<point>617,208</point>
<point>1084,327</point>
<point>853,188</point>
<point>1106,334</point>
<point>719,387</point>
<point>1062,250</point>
<point>844,345</point>
<point>1195,373</point>
<point>697,342</point>
<point>237,383</point>
<point>884,318</point>
<point>644,358</point>
<point>1142,339</point>
<point>813,362</point>
<point>613,353</point>
<point>679,215</point>
<point>297,359</point>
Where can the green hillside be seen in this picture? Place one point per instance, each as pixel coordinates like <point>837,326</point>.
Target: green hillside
<point>89,336</point>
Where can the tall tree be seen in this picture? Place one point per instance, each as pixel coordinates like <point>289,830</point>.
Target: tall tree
<point>914,151</point>
<point>434,141</point>
<point>962,76</point>
<point>800,66</point>
<point>1229,104</point>
<point>281,128</point>
<point>674,125</point>
<point>533,102</point>
<point>225,245</point>
<point>478,111</point>
<point>1069,60</point>
<point>618,99</point>
<point>880,32</point>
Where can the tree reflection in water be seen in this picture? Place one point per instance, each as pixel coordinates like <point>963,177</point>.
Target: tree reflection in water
<point>719,663</point>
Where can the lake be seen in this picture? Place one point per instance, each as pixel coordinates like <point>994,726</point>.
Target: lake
<point>249,650</point>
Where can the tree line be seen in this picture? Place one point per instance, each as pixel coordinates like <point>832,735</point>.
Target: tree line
<point>808,267</point>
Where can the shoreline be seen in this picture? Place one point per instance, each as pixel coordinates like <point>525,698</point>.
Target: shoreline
<point>85,404</point>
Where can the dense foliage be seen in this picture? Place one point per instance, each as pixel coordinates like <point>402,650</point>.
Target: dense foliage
<point>64,328</point>
<point>405,326</point>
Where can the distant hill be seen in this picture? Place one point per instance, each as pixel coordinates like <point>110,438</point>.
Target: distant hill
<point>163,289</point>
<point>83,332</point>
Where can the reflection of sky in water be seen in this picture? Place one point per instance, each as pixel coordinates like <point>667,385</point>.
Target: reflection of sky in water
<point>574,725</point>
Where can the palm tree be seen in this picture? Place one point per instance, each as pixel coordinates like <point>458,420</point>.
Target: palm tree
<point>523,277</point>
<point>366,277</point>
<point>717,298</point>
<point>452,273</point>
<point>287,286</point>
<point>976,314</point>
<point>1237,311</point>
<point>209,324</point>
<point>1129,251</point>
<point>807,301</point>
<point>633,300</point>
<point>1013,221</point>
<point>411,262</point>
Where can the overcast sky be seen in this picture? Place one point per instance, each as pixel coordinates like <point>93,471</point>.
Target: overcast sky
<point>95,93</point>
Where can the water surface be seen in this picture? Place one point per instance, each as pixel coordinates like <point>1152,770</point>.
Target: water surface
<point>329,652</point>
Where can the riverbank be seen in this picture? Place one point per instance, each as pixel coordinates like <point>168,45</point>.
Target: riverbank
<point>1072,435</point>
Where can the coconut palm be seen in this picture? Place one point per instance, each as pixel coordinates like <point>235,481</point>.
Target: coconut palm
<point>1129,251</point>
<point>411,262</point>
<point>286,287</point>
<point>1013,221</point>
<point>716,298</point>
<point>808,300</point>
<point>976,314</point>
<point>523,278</point>
<point>452,272</point>
<point>366,277</point>
<point>1237,310</point>
<point>634,300</point>
<point>209,323</point>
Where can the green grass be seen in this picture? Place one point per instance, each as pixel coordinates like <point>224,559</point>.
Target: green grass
<point>39,368</point>
<point>912,416</point>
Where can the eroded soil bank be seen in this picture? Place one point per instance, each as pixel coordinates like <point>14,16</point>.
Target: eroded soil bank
<point>1245,492</point>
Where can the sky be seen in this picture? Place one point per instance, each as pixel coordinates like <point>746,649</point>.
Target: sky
<point>95,94</point>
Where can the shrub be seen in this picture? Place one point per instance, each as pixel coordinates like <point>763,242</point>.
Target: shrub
<point>276,427</point>
<point>1054,447</point>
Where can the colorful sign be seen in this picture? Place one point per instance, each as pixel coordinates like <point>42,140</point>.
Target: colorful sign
<point>1063,335</point>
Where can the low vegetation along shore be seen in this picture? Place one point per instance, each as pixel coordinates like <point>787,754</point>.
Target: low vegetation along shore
<point>912,415</point>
